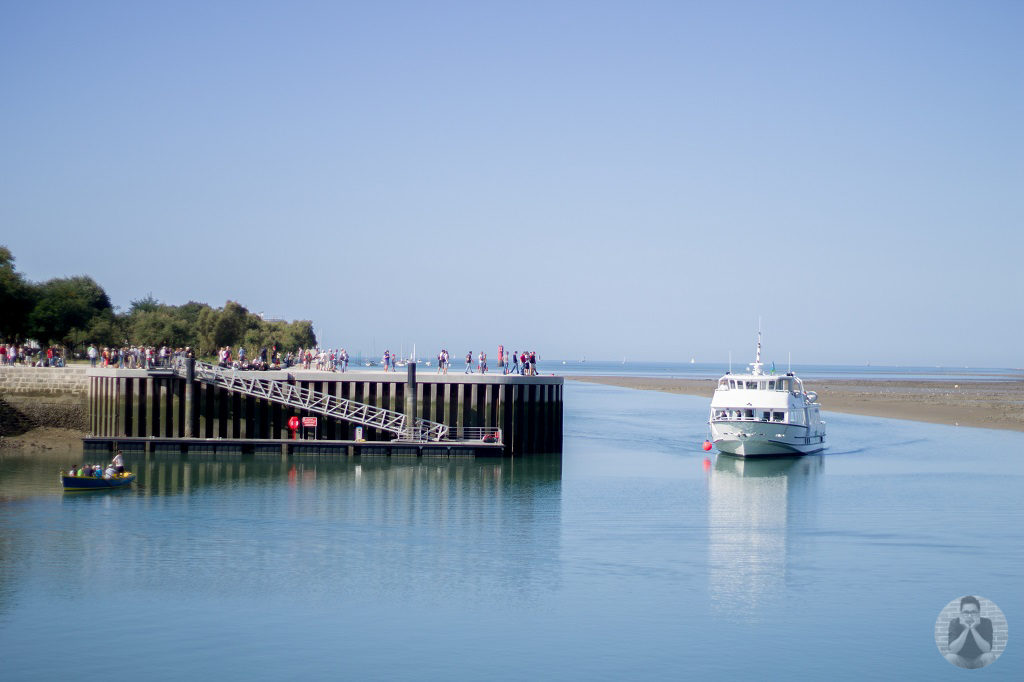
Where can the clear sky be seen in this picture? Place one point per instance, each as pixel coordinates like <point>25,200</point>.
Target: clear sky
<point>607,179</point>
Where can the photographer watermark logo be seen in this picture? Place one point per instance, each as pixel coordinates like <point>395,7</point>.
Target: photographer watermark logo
<point>971,632</point>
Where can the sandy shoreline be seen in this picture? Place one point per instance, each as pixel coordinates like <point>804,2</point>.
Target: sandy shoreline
<point>989,405</point>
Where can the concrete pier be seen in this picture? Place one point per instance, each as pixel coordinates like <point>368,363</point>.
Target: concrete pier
<point>126,403</point>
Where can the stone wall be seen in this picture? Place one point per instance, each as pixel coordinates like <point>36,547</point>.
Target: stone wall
<point>33,397</point>
<point>44,380</point>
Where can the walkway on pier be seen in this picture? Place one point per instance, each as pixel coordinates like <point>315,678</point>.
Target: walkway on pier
<point>285,393</point>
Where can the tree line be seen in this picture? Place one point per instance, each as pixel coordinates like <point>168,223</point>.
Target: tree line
<point>75,311</point>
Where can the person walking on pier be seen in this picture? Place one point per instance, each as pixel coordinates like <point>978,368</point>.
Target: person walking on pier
<point>469,363</point>
<point>515,363</point>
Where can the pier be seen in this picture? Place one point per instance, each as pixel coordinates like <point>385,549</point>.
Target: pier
<point>196,407</point>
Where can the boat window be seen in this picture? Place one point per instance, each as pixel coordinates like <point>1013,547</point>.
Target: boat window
<point>737,415</point>
<point>783,384</point>
<point>752,384</point>
<point>748,414</point>
<point>778,416</point>
<point>771,385</point>
<point>732,384</point>
<point>765,416</point>
<point>760,385</point>
<point>723,384</point>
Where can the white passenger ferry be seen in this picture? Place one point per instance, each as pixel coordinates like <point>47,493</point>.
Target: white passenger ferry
<point>764,415</point>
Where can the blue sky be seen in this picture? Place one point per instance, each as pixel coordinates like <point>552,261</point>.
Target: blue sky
<point>603,179</point>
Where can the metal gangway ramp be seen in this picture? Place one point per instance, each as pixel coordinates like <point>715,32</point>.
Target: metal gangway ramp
<point>326,404</point>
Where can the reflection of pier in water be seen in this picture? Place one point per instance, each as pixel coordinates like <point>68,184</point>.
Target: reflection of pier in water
<point>184,474</point>
<point>752,505</point>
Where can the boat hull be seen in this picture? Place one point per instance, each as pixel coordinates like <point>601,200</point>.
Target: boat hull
<point>765,439</point>
<point>765,448</point>
<point>90,483</point>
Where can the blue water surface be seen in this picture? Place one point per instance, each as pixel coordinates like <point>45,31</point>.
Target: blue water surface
<point>633,556</point>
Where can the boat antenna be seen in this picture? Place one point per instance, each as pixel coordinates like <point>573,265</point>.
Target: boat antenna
<point>790,367</point>
<point>730,362</point>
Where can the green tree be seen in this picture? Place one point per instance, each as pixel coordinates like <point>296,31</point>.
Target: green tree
<point>64,304</point>
<point>299,334</point>
<point>153,328</point>
<point>232,323</point>
<point>145,304</point>
<point>106,329</point>
<point>206,321</point>
<point>16,299</point>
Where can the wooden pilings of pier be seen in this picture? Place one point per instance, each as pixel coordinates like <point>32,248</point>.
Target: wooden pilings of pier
<point>136,403</point>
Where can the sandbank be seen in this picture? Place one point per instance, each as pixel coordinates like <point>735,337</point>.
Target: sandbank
<point>984,404</point>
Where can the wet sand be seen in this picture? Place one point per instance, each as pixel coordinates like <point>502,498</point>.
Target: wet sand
<point>989,405</point>
<point>44,438</point>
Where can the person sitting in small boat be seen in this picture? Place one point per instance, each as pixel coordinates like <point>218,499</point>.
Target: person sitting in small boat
<point>97,471</point>
<point>74,471</point>
<point>118,463</point>
<point>110,471</point>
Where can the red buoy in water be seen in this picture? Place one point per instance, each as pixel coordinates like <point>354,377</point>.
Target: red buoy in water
<point>707,445</point>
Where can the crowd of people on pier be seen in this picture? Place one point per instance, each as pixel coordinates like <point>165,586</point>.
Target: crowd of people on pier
<point>320,359</point>
<point>524,363</point>
<point>31,356</point>
<point>134,357</point>
<point>314,358</point>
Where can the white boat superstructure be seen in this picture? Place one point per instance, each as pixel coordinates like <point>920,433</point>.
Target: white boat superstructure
<point>763,415</point>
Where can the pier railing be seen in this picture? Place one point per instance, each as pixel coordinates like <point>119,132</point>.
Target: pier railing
<point>284,393</point>
<point>482,434</point>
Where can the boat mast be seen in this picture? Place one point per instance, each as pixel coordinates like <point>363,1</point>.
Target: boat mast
<point>755,367</point>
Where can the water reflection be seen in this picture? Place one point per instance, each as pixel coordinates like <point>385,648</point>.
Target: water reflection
<point>391,529</point>
<point>752,507</point>
<point>186,475</point>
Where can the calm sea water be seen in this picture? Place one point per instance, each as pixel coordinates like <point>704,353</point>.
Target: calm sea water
<point>631,558</point>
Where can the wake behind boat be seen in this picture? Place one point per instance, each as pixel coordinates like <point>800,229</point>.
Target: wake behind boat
<point>763,415</point>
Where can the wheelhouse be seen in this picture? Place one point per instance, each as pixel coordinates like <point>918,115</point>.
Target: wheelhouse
<point>783,384</point>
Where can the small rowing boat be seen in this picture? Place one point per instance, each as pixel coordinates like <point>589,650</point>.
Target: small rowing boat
<point>92,483</point>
